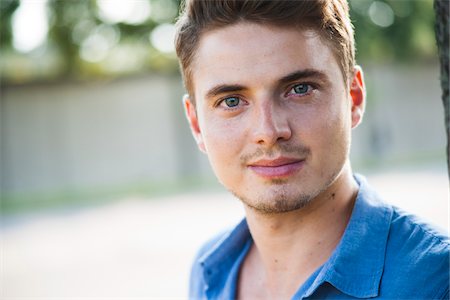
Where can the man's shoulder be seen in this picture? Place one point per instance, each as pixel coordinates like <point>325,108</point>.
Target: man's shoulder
<point>210,245</point>
<point>216,258</point>
<point>196,280</point>
<point>414,238</point>
<point>417,256</point>
<point>224,241</point>
<point>412,233</point>
<point>408,233</point>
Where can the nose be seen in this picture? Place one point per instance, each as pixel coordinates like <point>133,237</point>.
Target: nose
<point>271,123</point>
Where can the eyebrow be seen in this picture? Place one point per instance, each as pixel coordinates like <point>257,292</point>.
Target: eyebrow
<point>302,74</point>
<point>296,75</point>
<point>224,88</point>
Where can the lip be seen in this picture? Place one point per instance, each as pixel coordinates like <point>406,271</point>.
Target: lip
<point>276,168</point>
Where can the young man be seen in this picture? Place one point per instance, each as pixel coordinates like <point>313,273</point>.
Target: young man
<point>274,93</point>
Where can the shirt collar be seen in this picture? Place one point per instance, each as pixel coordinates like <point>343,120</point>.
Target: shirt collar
<point>225,254</point>
<point>356,265</point>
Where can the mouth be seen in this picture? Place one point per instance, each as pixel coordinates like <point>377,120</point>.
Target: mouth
<point>276,168</point>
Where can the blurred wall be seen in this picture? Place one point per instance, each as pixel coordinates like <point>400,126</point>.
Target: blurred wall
<point>78,135</point>
<point>404,120</point>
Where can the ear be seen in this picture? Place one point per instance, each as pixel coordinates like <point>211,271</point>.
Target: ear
<point>191,115</point>
<point>358,96</point>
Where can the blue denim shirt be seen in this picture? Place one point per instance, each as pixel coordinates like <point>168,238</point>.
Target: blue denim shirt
<point>384,253</point>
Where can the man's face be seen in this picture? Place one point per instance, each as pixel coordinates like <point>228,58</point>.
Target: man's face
<point>272,113</point>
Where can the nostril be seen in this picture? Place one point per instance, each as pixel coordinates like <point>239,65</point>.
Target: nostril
<point>272,135</point>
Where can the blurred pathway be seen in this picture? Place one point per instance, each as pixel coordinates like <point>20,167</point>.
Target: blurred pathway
<point>142,249</point>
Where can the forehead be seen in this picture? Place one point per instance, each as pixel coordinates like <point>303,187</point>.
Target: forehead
<point>250,54</point>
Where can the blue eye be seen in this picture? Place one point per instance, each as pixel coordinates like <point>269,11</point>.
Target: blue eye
<point>300,89</point>
<point>232,101</point>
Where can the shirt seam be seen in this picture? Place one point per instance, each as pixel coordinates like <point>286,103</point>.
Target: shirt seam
<point>426,230</point>
<point>440,239</point>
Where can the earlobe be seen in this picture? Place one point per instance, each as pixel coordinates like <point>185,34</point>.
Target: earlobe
<point>192,117</point>
<point>358,96</point>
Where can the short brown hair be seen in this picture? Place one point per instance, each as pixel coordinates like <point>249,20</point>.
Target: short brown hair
<point>330,18</point>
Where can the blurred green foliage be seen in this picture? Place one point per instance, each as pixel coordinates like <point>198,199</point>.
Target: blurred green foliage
<point>7,8</point>
<point>70,25</point>
<point>410,37</point>
<point>386,31</point>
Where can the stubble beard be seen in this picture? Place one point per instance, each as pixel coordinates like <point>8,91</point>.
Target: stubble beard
<point>282,202</point>
<point>279,204</point>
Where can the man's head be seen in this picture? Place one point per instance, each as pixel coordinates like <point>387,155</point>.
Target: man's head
<point>275,104</point>
<point>329,18</point>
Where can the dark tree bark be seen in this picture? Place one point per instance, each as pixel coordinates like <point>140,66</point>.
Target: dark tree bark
<point>441,8</point>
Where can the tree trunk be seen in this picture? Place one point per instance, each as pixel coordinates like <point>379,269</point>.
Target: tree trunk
<point>441,8</point>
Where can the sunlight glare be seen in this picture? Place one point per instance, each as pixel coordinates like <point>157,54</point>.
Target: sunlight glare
<point>381,14</point>
<point>162,38</point>
<point>120,11</point>
<point>30,25</point>
<point>97,45</point>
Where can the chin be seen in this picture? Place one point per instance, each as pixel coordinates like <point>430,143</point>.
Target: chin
<point>280,202</point>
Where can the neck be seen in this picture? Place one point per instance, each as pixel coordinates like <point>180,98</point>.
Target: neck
<point>294,244</point>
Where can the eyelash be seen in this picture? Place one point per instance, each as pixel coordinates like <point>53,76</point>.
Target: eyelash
<point>222,101</point>
<point>311,88</point>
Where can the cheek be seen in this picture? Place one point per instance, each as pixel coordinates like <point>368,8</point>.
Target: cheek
<point>216,132</point>
<point>222,141</point>
<point>326,129</point>
<point>336,139</point>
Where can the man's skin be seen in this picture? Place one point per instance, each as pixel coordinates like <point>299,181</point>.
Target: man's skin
<point>280,143</point>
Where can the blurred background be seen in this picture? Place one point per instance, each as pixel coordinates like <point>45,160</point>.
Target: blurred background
<point>103,191</point>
